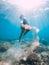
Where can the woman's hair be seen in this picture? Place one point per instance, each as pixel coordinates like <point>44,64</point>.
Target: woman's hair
<point>22,16</point>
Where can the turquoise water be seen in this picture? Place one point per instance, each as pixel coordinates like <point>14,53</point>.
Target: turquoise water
<point>10,22</point>
<point>11,50</point>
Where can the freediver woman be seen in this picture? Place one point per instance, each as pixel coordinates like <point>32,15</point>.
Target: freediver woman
<point>25,27</point>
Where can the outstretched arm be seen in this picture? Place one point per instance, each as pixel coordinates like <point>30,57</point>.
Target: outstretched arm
<point>27,27</point>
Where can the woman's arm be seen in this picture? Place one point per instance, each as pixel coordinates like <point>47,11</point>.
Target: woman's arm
<point>27,27</point>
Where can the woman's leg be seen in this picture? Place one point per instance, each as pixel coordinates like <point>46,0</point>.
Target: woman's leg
<point>22,32</point>
<point>26,31</point>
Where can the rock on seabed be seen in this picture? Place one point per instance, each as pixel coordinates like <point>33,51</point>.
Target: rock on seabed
<point>28,55</point>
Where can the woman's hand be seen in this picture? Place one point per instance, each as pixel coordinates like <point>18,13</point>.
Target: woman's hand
<point>36,29</point>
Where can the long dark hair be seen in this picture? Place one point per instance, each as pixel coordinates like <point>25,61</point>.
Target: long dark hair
<point>22,16</point>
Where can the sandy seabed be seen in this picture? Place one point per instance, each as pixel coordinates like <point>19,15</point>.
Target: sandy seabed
<point>26,54</point>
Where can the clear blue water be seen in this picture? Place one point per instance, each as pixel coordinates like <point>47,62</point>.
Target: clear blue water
<point>10,23</point>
